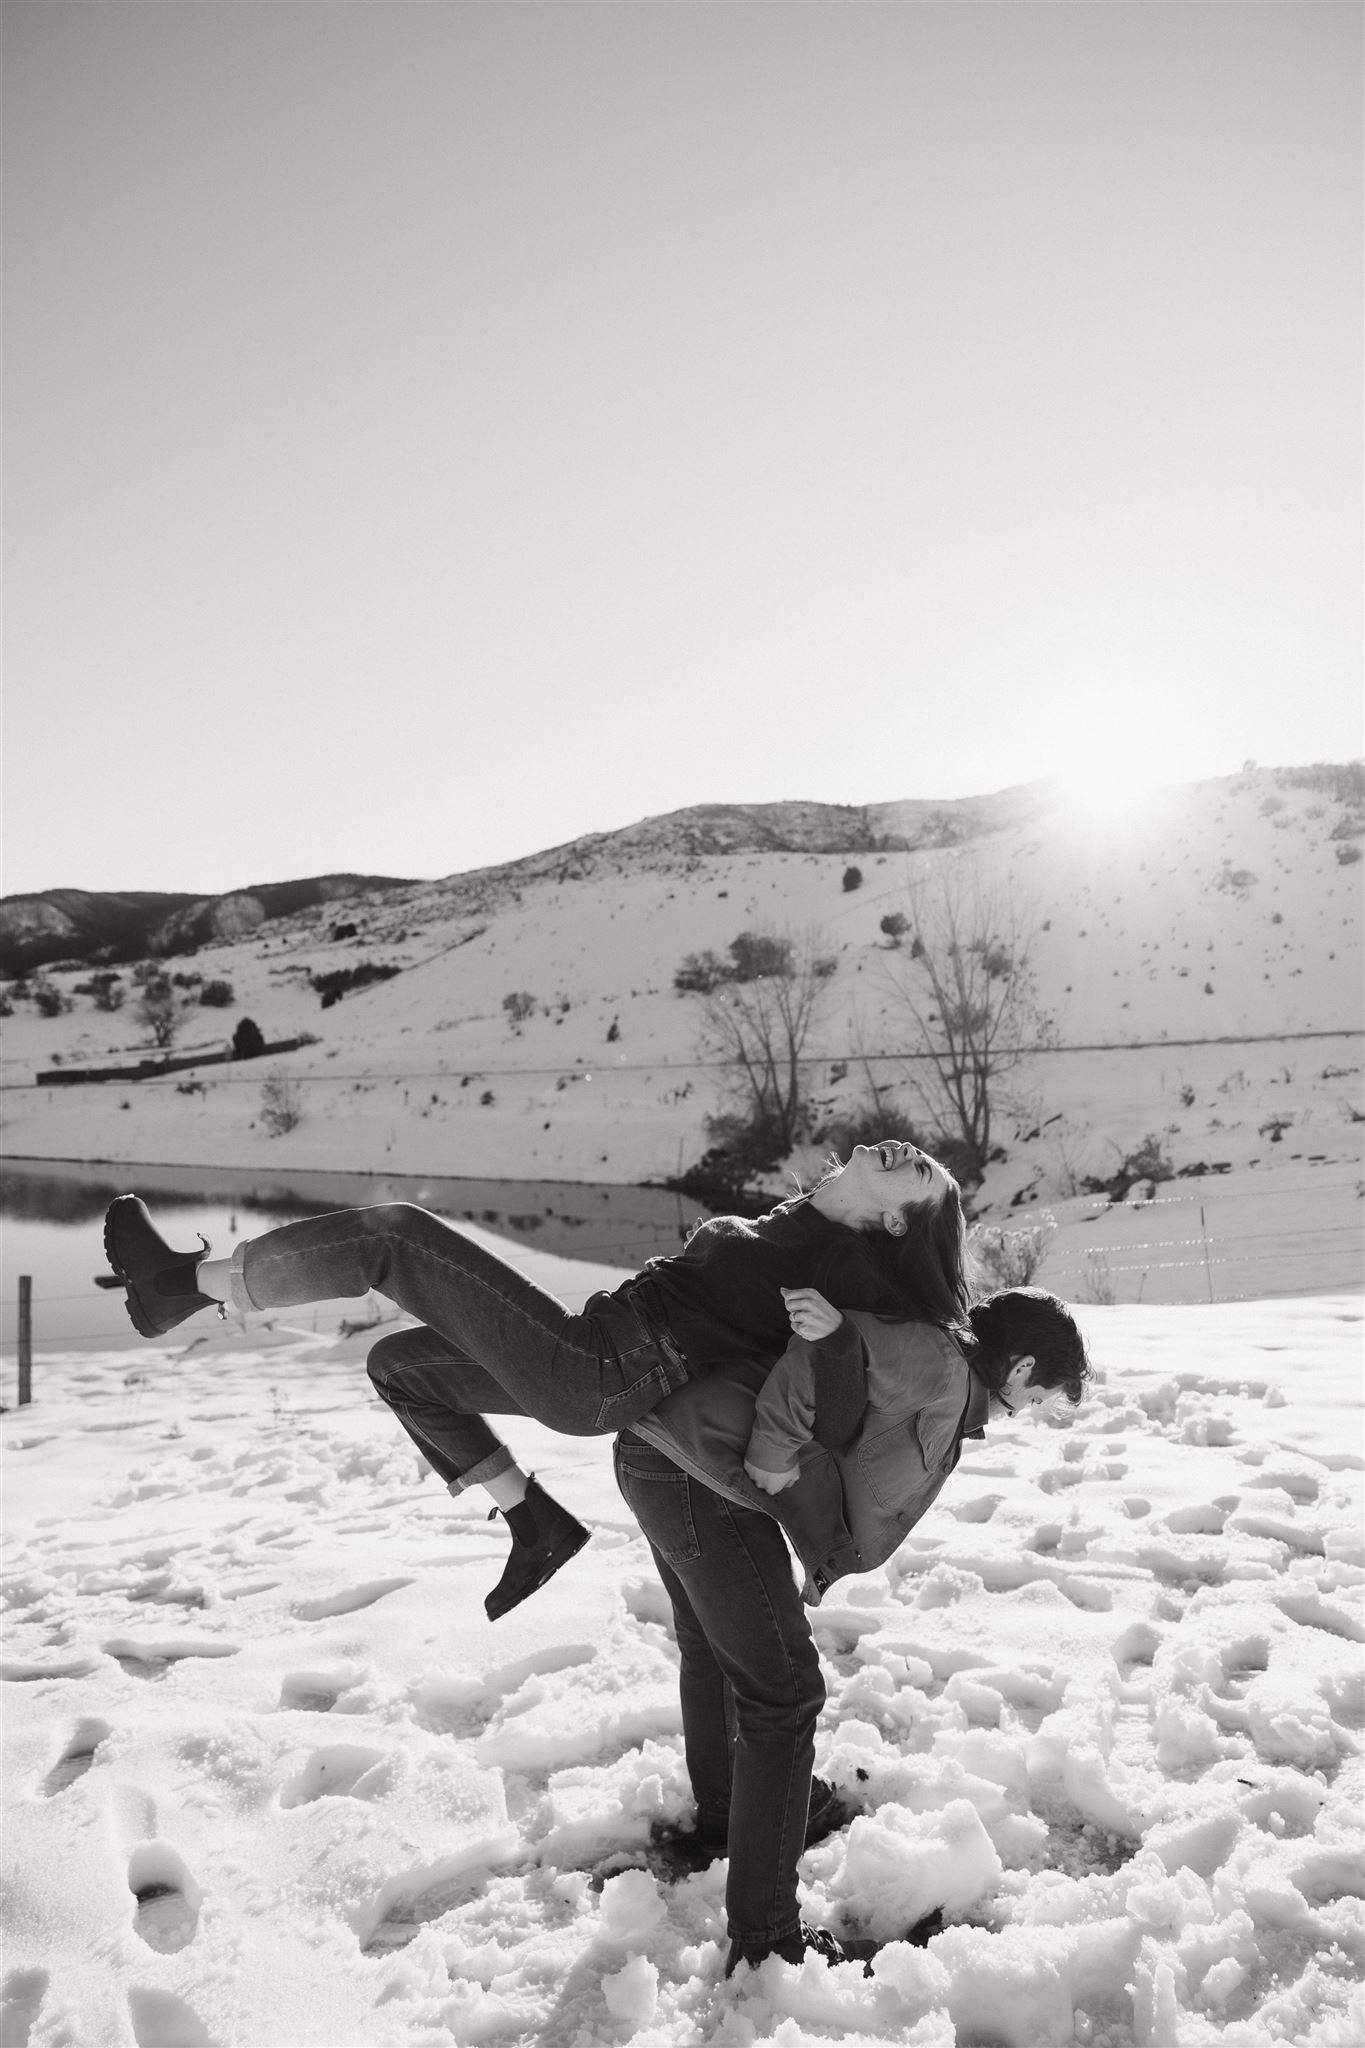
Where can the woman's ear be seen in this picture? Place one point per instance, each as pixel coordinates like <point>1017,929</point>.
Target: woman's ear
<point>894,1223</point>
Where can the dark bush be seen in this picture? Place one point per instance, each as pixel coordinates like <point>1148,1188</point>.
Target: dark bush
<point>248,1040</point>
<point>217,995</point>
<point>853,878</point>
<point>49,1000</point>
<point>895,925</point>
<point>339,982</point>
<point>758,953</point>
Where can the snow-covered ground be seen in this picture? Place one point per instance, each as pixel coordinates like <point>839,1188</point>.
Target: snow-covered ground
<point>274,1781</point>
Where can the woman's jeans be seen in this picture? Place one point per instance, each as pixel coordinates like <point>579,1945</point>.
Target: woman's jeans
<point>750,1680</point>
<point>493,1343</point>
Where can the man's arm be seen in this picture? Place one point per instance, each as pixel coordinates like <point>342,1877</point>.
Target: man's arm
<point>839,1387</point>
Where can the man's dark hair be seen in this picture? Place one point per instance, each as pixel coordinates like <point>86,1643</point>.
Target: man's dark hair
<point>1022,1321</point>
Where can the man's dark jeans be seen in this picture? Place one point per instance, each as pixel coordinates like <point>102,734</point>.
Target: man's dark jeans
<point>750,1679</point>
<point>493,1342</point>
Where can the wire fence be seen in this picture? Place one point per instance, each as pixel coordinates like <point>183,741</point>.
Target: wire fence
<point>847,1058</point>
<point>1083,1264</point>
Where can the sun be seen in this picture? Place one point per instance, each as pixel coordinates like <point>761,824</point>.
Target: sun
<point>1109,786</point>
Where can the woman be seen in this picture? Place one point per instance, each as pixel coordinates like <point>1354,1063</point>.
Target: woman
<point>883,1232</point>
<point>749,1671</point>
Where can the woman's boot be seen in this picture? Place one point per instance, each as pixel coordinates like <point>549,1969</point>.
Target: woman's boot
<point>544,1536</point>
<point>162,1284</point>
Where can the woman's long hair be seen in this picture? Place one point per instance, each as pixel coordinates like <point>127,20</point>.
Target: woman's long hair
<point>924,1274</point>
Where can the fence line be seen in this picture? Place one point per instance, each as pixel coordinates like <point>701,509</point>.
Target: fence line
<point>851,1058</point>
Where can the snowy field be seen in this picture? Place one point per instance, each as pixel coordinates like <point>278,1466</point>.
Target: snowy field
<point>273,1780</point>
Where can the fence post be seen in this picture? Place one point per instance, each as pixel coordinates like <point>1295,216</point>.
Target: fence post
<point>25,1339</point>
<point>1204,1233</point>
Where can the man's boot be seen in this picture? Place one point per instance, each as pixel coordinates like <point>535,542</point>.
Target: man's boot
<point>544,1536</point>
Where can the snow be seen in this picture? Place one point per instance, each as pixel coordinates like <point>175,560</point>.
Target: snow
<point>273,1780</point>
<point>1232,886</point>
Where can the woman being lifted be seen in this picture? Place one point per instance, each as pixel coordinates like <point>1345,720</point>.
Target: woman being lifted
<point>882,1232</point>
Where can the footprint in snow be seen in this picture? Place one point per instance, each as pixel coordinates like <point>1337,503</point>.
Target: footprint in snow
<point>21,2000</point>
<point>161,2020</point>
<point>316,1692</point>
<point>346,1770</point>
<point>154,1658</point>
<point>350,1600</point>
<point>76,1759</point>
<point>168,1899</point>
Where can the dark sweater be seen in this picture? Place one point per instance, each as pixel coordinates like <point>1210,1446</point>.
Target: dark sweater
<point>720,1298</point>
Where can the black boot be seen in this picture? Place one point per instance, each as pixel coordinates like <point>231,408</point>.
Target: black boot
<point>162,1284</point>
<point>544,1536</point>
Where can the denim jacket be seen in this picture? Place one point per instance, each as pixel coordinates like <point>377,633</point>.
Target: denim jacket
<point>849,1508</point>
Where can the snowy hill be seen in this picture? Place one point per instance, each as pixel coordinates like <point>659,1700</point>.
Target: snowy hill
<point>1192,948</point>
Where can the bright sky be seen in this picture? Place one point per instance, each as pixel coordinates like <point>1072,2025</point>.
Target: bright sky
<point>436,431</point>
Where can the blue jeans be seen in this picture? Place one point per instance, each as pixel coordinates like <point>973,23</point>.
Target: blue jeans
<point>750,1679</point>
<point>493,1342</point>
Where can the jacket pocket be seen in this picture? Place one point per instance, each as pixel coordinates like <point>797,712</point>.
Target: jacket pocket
<point>890,1465</point>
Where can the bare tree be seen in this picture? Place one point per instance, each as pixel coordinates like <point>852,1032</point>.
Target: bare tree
<point>158,1010</point>
<point>971,1002</point>
<point>759,1026</point>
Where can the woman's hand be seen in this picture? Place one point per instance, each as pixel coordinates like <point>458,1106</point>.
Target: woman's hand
<point>810,1314</point>
<point>771,1482</point>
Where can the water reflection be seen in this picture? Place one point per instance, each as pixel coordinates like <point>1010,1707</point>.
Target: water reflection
<point>53,1213</point>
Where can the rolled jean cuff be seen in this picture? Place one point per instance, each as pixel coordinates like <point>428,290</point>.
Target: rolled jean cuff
<point>500,1460</point>
<point>238,1294</point>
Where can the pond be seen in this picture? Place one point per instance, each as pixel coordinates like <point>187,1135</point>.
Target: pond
<point>53,1226</point>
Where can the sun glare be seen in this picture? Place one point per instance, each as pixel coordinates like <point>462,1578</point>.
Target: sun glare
<point>1109,789</point>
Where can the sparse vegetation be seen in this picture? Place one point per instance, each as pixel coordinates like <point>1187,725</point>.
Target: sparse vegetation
<point>1010,1258</point>
<point>518,1006</point>
<point>1348,855</point>
<point>49,1000</point>
<point>158,1011</point>
<point>756,1022</point>
<point>971,1004</point>
<point>281,1104</point>
<point>1343,780</point>
<point>340,981</point>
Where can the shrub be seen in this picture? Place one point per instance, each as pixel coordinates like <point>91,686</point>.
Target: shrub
<point>700,973</point>
<point>341,980</point>
<point>158,1010</point>
<point>217,995</point>
<point>106,990</point>
<point>49,1000</point>
<point>757,954</point>
<point>853,878</point>
<point>1344,780</point>
<point>864,1123</point>
<point>896,925</point>
<point>248,1040</point>
<point>1010,1258</point>
<point>281,1104</point>
<point>518,1005</point>
<point>1347,856</point>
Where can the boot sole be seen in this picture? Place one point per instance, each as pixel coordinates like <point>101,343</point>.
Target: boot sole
<point>137,1315</point>
<point>142,1321</point>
